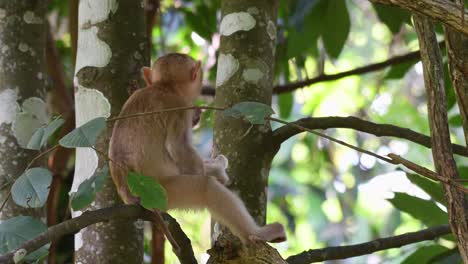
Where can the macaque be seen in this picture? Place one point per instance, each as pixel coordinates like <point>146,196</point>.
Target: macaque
<point>160,146</point>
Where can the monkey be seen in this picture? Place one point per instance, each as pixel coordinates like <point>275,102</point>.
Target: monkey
<point>160,146</point>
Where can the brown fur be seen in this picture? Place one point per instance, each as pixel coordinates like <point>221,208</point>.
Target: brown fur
<point>160,146</point>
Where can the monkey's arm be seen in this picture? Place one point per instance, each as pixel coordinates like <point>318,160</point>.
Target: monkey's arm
<point>179,143</point>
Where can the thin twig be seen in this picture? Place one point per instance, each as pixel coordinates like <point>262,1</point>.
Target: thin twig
<point>163,111</point>
<point>393,159</point>
<point>426,172</point>
<point>333,139</point>
<point>41,155</point>
<point>289,87</point>
<point>6,200</point>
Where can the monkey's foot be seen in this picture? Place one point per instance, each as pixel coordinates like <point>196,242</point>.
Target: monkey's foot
<point>273,233</point>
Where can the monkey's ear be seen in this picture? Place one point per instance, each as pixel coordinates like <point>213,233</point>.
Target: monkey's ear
<point>146,72</point>
<point>195,71</point>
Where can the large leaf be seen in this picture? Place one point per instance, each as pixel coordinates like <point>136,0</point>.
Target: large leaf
<point>398,71</point>
<point>152,195</point>
<point>303,7</point>
<point>285,104</point>
<point>87,190</point>
<point>17,230</point>
<point>253,112</point>
<point>391,16</point>
<point>42,134</point>
<point>432,188</point>
<point>425,254</point>
<point>426,211</point>
<point>32,188</point>
<point>85,135</point>
<point>335,27</point>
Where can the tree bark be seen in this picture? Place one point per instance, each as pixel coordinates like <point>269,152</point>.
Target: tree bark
<point>22,81</point>
<point>245,73</point>
<point>444,11</point>
<point>457,52</point>
<point>110,52</point>
<point>438,122</point>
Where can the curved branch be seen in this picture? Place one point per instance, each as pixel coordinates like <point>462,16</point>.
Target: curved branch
<point>91,217</point>
<point>283,133</point>
<point>444,11</point>
<point>279,89</point>
<point>343,252</point>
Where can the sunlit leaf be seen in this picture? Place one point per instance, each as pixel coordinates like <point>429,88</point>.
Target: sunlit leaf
<point>85,135</point>
<point>32,188</point>
<point>253,112</point>
<point>152,195</point>
<point>430,187</point>
<point>425,211</point>
<point>17,230</point>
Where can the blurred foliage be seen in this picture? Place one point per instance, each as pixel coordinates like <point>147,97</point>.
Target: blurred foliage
<point>327,195</point>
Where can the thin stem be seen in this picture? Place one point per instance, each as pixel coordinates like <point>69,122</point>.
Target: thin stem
<point>164,111</point>
<point>6,200</point>
<point>41,155</point>
<point>333,139</point>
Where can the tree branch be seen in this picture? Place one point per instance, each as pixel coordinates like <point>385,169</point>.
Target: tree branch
<point>343,252</point>
<point>444,11</point>
<point>91,217</point>
<point>279,89</point>
<point>283,133</point>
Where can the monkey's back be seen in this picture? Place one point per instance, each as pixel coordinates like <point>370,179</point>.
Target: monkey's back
<point>140,143</point>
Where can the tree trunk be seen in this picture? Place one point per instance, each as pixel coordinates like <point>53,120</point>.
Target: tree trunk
<point>440,135</point>
<point>245,73</point>
<point>457,52</point>
<point>111,51</point>
<point>22,91</point>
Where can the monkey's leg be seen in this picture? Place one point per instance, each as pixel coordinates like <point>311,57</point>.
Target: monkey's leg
<point>119,176</point>
<point>196,191</point>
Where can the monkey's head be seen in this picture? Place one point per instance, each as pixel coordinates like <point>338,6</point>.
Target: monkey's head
<point>178,69</point>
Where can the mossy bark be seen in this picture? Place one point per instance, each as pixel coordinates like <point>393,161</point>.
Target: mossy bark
<point>22,76</point>
<point>245,73</point>
<point>124,32</point>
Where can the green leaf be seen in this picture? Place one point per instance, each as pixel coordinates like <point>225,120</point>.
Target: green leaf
<point>398,71</point>
<point>432,188</point>
<point>456,120</point>
<point>17,230</point>
<point>42,134</point>
<point>152,194</point>
<point>87,190</point>
<point>425,211</point>
<point>392,16</point>
<point>336,25</point>
<point>425,254</point>
<point>253,112</point>
<point>85,135</point>
<point>31,189</point>
<point>285,103</point>
<point>463,171</point>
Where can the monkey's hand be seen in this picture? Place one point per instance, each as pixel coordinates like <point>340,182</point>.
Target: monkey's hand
<point>217,168</point>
